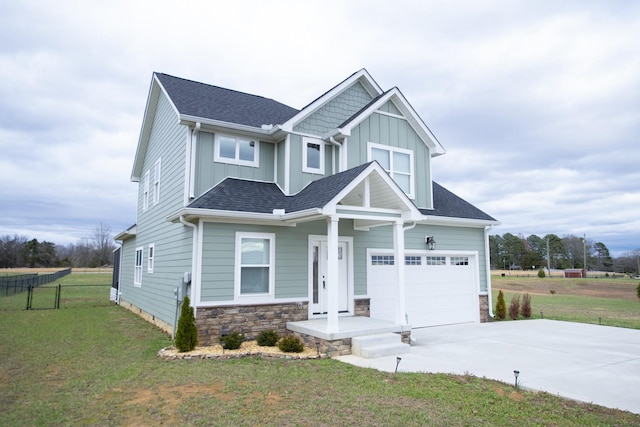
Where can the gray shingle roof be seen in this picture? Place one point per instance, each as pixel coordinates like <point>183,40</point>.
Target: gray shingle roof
<point>447,204</point>
<point>239,195</point>
<point>217,103</point>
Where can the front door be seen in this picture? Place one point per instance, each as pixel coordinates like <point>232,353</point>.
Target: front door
<point>319,265</point>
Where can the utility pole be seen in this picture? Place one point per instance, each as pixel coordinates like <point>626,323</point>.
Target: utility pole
<point>584,241</point>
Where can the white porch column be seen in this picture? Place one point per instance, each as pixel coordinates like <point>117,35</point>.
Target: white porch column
<point>398,245</point>
<point>332,274</point>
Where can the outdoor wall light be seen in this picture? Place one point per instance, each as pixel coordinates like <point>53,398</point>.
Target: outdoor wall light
<point>398,360</point>
<point>516,374</point>
<point>430,242</point>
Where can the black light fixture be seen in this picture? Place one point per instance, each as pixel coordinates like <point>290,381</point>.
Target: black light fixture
<point>430,242</point>
<point>516,374</point>
<point>398,359</point>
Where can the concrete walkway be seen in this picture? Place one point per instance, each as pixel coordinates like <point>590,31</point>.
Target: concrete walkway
<point>590,363</point>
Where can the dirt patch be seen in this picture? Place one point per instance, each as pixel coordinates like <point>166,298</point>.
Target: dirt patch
<point>600,288</point>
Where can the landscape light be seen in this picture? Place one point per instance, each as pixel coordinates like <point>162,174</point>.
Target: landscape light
<point>398,359</point>
<point>516,374</point>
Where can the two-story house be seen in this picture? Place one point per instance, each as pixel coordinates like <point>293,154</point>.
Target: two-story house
<point>270,217</point>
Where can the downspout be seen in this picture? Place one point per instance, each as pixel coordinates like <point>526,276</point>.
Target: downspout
<point>487,256</point>
<point>192,156</point>
<point>339,159</point>
<point>194,259</point>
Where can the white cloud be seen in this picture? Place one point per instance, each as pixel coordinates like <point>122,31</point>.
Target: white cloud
<point>537,102</point>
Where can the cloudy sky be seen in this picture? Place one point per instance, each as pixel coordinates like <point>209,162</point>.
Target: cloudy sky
<point>537,102</point>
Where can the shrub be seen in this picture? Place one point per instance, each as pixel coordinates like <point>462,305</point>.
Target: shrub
<point>552,291</point>
<point>232,341</point>
<point>267,338</point>
<point>541,273</point>
<point>187,332</point>
<point>638,290</point>
<point>501,307</point>
<point>525,309</point>
<point>514,307</point>
<point>291,344</point>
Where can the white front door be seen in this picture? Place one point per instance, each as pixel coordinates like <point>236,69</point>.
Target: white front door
<point>319,287</point>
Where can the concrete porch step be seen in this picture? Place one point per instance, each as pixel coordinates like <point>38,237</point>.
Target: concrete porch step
<point>379,345</point>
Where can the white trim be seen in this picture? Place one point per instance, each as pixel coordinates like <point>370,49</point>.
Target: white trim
<point>391,150</point>
<point>305,160</point>
<point>151,255</point>
<point>287,164</point>
<point>137,268</point>
<point>395,116</point>
<point>269,295</point>
<point>236,160</point>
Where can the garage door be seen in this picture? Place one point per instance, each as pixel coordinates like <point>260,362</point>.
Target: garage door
<point>440,289</point>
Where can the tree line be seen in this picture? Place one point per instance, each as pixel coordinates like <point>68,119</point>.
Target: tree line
<point>21,252</point>
<point>533,252</point>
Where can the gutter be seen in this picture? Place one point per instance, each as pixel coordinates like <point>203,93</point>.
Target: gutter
<point>487,256</point>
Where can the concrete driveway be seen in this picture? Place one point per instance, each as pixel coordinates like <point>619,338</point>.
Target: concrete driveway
<point>590,363</point>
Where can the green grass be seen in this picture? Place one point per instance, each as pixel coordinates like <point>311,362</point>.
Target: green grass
<point>98,366</point>
<point>612,302</point>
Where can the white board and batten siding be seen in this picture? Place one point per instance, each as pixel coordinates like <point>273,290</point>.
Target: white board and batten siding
<point>441,287</point>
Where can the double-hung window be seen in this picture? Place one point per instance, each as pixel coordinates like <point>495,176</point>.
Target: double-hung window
<point>137,271</point>
<point>156,182</point>
<point>397,162</point>
<point>255,264</point>
<point>151,257</point>
<point>145,192</point>
<point>234,150</point>
<point>312,155</point>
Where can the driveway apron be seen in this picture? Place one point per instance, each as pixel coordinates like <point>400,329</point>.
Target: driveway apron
<point>590,363</point>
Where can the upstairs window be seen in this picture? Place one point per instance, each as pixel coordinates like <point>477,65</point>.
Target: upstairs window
<point>152,250</point>
<point>145,192</point>
<point>237,151</point>
<point>156,182</point>
<point>312,155</point>
<point>397,162</point>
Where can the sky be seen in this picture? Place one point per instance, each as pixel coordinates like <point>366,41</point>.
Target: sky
<point>536,102</point>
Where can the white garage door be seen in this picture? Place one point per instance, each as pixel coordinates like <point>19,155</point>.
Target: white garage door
<point>440,289</point>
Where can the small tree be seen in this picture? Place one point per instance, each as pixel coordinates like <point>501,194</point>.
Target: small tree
<point>514,307</point>
<point>638,290</point>
<point>541,273</point>
<point>526,306</point>
<point>501,307</point>
<point>187,333</point>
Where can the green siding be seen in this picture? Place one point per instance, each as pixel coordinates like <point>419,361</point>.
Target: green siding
<point>210,173</point>
<point>172,241</point>
<point>394,132</point>
<point>336,111</point>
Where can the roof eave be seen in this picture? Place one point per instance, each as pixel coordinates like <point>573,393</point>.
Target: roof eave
<point>460,222</point>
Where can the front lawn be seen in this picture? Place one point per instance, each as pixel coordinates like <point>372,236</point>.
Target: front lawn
<point>98,366</point>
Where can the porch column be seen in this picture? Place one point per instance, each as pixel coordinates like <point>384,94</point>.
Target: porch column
<point>332,274</point>
<point>398,245</point>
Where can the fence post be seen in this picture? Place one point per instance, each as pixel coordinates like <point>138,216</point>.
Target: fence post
<point>29,298</point>
<point>58,296</point>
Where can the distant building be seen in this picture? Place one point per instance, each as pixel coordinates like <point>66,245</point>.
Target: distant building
<point>574,272</point>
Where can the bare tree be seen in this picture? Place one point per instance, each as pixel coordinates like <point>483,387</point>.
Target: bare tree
<point>103,245</point>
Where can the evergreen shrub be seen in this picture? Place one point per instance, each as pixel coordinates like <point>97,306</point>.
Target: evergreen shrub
<point>638,290</point>
<point>501,307</point>
<point>541,273</point>
<point>291,344</point>
<point>267,338</point>
<point>514,307</point>
<point>526,306</point>
<point>232,341</point>
<point>187,332</point>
